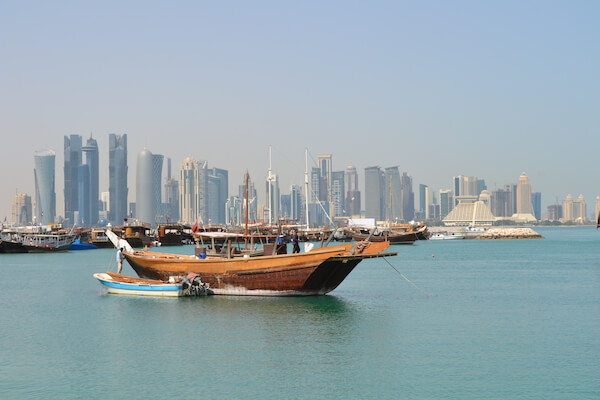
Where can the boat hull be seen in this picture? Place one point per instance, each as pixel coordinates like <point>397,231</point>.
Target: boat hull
<point>313,273</point>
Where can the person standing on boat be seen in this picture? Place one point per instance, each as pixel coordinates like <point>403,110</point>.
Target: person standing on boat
<point>120,258</point>
<point>295,242</point>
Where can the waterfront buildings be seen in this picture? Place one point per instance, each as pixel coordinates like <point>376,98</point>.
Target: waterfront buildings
<point>45,192</point>
<point>117,178</point>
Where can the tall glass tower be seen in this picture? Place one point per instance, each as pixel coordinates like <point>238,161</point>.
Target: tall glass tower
<point>144,190</point>
<point>117,177</point>
<point>90,150</point>
<point>45,193</point>
<point>72,146</point>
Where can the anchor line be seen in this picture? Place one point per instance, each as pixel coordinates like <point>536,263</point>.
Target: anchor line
<point>406,279</point>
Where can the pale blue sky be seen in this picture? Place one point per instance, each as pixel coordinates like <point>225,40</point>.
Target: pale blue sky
<point>439,88</point>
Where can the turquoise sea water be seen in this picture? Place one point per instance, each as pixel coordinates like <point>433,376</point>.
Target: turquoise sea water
<point>504,319</point>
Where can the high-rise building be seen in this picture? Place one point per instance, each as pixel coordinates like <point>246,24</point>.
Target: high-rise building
<point>422,198</point>
<point>555,212</point>
<point>145,207</point>
<point>22,211</point>
<point>45,192</point>
<point>446,203</point>
<point>325,169</point>
<point>408,197</point>
<point>316,194</point>
<point>82,215</point>
<point>338,193</point>
<point>393,194</point>
<point>252,200</point>
<point>536,204</point>
<point>272,211</point>
<point>502,202</point>
<point>580,210</point>
<point>90,151</point>
<point>352,202</point>
<point>524,195</point>
<point>218,192</point>
<point>568,214</point>
<point>597,210</point>
<point>157,168</point>
<point>374,193</point>
<point>117,178</point>
<point>72,161</point>
<point>193,184</point>
<point>296,204</point>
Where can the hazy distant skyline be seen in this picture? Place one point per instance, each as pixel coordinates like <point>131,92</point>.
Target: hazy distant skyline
<point>439,89</point>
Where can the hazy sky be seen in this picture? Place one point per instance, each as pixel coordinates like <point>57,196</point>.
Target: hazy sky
<point>439,88</point>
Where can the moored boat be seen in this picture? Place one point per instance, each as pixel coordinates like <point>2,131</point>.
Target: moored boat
<point>35,239</point>
<point>446,236</point>
<point>316,272</point>
<point>122,284</point>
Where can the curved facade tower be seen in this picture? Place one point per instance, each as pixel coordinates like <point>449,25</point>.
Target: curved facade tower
<point>45,193</point>
<point>144,189</point>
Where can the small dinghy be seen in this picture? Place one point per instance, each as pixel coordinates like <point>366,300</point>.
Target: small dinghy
<point>176,287</point>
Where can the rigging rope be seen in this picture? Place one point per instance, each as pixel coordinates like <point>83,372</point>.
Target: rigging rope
<point>406,279</point>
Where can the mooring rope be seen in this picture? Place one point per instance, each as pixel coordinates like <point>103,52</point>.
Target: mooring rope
<point>406,279</point>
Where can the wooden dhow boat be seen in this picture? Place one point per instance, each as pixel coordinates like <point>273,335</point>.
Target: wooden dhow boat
<point>316,272</point>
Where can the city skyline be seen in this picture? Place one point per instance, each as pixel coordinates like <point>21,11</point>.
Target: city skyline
<point>436,89</point>
<point>469,186</point>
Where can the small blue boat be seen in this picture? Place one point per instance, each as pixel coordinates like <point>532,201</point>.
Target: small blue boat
<point>190,285</point>
<point>79,245</point>
<point>122,284</point>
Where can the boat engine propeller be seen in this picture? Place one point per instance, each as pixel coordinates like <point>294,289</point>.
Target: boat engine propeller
<point>192,285</point>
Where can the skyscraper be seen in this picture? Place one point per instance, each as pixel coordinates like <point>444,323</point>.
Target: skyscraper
<point>408,197</point>
<point>338,193</point>
<point>568,209</point>
<point>218,192</point>
<point>90,150</point>
<point>446,203</point>
<point>82,215</point>
<point>193,184</point>
<point>524,195</point>
<point>72,161</point>
<point>117,177</point>
<point>45,193</point>
<point>296,206</point>
<point>352,202</point>
<point>374,193</point>
<point>272,190</point>
<point>325,169</point>
<point>145,206</point>
<point>393,194</point>
<point>157,167</point>
<point>22,211</point>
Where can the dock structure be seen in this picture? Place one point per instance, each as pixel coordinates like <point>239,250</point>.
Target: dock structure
<point>510,233</point>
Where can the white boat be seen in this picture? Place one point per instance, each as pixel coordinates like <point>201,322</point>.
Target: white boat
<point>446,236</point>
<point>122,284</point>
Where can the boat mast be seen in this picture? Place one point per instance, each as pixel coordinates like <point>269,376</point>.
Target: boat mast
<point>306,185</point>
